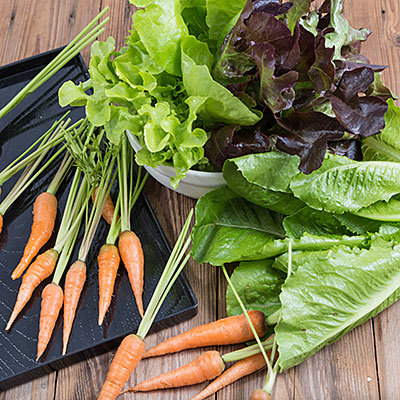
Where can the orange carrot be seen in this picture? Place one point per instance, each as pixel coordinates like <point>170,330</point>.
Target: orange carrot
<point>126,359</point>
<point>44,217</point>
<point>1,223</point>
<point>231,330</point>
<point>52,301</point>
<point>108,210</point>
<point>240,369</point>
<point>259,394</point>
<point>41,269</point>
<point>132,257</point>
<point>74,281</point>
<point>108,260</point>
<point>205,367</point>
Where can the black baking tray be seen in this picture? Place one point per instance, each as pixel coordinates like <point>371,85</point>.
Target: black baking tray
<point>18,129</point>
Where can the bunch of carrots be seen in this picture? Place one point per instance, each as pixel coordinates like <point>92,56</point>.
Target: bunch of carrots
<point>94,177</point>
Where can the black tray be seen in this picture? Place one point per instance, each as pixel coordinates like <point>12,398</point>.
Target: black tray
<point>18,129</point>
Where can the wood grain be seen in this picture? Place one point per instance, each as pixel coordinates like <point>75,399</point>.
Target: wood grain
<point>365,364</point>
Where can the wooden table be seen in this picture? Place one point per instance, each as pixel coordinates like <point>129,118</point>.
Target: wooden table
<point>365,364</point>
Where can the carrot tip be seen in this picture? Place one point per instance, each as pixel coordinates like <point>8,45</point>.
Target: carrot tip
<point>101,319</point>
<point>9,325</point>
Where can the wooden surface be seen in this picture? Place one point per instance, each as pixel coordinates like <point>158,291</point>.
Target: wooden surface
<point>365,364</point>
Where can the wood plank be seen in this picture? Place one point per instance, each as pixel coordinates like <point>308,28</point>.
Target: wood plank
<point>39,389</point>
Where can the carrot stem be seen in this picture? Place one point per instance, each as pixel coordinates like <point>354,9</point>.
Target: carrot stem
<point>115,227</point>
<point>104,190</point>
<point>26,180</point>
<point>123,186</point>
<point>247,351</point>
<point>67,249</point>
<point>86,36</point>
<point>167,279</point>
<point>242,306</point>
<point>60,174</point>
<point>24,159</point>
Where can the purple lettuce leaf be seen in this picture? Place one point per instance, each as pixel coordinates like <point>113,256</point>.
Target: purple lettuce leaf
<point>233,141</point>
<point>349,148</point>
<point>307,135</point>
<point>277,92</point>
<point>273,7</point>
<point>360,115</point>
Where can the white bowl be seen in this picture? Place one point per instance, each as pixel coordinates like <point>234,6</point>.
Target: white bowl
<point>195,184</point>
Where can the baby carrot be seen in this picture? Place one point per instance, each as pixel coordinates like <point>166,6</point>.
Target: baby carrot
<point>240,369</point>
<point>108,210</point>
<point>259,394</point>
<point>41,269</point>
<point>44,216</point>
<point>52,301</point>
<point>126,359</point>
<point>131,252</point>
<point>74,281</point>
<point>231,330</point>
<point>108,260</point>
<point>205,367</point>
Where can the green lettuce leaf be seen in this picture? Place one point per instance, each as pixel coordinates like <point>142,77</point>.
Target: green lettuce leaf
<point>344,34</point>
<point>221,105</point>
<point>228,228</point>
<point>386,145</point>
<point>314,222</point>
<point>300,8</point>
<point>358,225</point>
<point>298,257</point>
<point>258,285</point>
<point>222,16</point>
<point>161,29</point>
<point>345,288</point>
<point>342,185</point>
<point>382,210</point>
<point>264,180</point>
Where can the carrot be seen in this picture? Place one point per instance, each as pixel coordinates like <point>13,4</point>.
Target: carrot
<point>44,216</point>
<point>259,394</point>
<point>231,330</point>
<point>205,367</point>
<point>240,369</point>
<point>126,359</point>
<point>41,269</point>
<point>132,257</point>
<point>108,260</point>
<point>52,301</point>
<point>1,223</point>
<point>108,210</point>
<point>74,281</point>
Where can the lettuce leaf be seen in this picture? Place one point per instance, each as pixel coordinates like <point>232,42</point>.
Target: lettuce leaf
<point>258,285</point>
<point>386,145</point>
<point>161,29</point>
<point>345,288</point>
<point>221,105</point>
<point>342,185</point>
<point>264,179</point>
